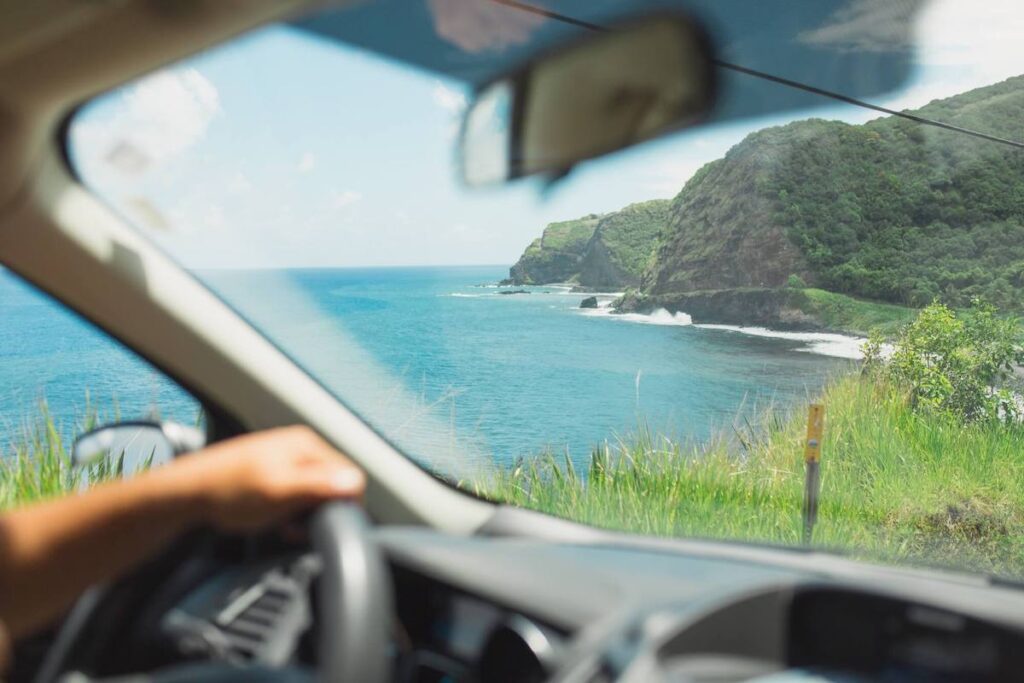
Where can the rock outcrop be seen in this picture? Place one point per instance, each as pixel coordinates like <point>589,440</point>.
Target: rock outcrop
<point>598,252</point>
<point>555,256</point>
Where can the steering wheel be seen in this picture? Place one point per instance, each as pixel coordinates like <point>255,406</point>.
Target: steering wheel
<point>354,609</point>
<point>355,598</point>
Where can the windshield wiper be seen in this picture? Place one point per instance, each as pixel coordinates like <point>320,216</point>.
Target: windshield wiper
<point>590,26</point>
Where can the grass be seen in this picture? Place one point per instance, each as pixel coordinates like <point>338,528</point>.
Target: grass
<point>35,463</point>
<point>570,235</point>
<point>858,316</point>
<point>896,485</point>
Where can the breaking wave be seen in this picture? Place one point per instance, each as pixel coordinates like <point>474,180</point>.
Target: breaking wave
<point>658,317</point>
<point>823,343</point>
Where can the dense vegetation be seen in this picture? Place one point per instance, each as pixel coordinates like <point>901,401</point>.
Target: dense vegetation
<point>903,479</point>
<point>890,210</point>
<point>958,365</point>
<point>608,251</point>
<point>555,255</point>
<point>894,211</point>
<point>841,313</point>
<point>622,246</point>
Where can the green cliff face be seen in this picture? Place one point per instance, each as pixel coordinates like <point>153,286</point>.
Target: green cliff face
<point>609,251</point>
<point>555,256</point>
<point>890,210</point>
<point>623,246</point>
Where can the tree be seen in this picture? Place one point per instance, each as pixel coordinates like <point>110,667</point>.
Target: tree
<point>955,364</point>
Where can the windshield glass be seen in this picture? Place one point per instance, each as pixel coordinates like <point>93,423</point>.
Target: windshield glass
<point>667,339</point>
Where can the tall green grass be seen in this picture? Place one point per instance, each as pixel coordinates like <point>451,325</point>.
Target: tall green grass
<point>35,460</point>
<point>897,485</point>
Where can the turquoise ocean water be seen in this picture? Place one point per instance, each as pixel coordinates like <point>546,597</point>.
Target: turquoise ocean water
<point>514,374</point>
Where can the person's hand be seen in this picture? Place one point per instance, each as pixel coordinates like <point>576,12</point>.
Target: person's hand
<point>253,481</point>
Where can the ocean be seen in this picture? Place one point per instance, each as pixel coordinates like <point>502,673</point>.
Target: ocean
<point>511,374</point>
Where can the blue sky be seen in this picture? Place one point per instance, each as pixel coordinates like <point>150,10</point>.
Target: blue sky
<point>282,151</point>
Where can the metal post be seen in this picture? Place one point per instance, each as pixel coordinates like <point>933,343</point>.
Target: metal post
<point>812,461</point>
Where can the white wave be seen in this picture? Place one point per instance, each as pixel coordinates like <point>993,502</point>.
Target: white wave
<point>561,290</point>
<point>658,317</point>
<point>823,343</point>
<point>463,295</point>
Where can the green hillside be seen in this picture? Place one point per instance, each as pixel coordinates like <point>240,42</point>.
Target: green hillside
<point>609,251</point>
<point>890,210</point>
<point>623,245</point>
<point>555,256</point>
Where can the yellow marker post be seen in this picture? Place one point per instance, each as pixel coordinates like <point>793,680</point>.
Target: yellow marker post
<point>812,463</point>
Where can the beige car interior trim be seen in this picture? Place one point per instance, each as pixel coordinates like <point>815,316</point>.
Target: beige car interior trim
<point>59,236</point>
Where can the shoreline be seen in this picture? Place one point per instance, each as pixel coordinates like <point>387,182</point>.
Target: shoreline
<point>824,343</point>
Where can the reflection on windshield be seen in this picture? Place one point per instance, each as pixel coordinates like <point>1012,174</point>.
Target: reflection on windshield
<point>482,26</point>
<point>638,345</point>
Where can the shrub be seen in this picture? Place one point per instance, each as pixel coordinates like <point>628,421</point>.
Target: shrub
<point>955,364</point>
<point>794,281</point>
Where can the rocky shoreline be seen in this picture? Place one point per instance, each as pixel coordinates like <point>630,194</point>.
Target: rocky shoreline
<point>781,309</point>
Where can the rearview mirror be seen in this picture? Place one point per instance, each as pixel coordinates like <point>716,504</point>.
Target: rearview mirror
<point>612,89</point>
<point>136,444</point>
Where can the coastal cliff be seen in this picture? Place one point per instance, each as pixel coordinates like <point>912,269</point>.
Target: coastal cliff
<point>800,222</point>
<point>609,251</point>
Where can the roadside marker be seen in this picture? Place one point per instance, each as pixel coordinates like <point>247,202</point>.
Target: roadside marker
<point>812,462</point>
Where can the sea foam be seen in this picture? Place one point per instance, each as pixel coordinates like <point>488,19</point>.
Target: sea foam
<point>657,317</point>
<point>823,343</point>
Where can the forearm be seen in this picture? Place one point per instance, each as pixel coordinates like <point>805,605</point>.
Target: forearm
<point>50,552</point>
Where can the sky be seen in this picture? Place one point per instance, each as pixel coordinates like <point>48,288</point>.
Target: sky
<point>283,150</point>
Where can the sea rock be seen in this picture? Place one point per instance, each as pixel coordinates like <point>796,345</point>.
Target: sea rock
<point>513,291</point>
<point>589,302</point>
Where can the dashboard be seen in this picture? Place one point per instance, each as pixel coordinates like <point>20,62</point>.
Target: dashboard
<point>515,610</point>
<point>262,613</point>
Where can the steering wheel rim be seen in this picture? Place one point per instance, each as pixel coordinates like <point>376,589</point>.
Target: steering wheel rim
<point>355,597</point>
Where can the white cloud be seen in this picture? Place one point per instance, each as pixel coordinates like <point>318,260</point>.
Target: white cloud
<point>158,118</point>
<point>307,162</point>
<point>341,199</point>
<point>967,46</point>
<point>448,99</point>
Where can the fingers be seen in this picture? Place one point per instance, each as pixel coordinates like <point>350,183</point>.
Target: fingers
<point>262,478</point>
<point>328,481</point>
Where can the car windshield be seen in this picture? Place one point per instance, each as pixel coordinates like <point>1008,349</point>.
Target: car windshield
<point>802,303</point>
